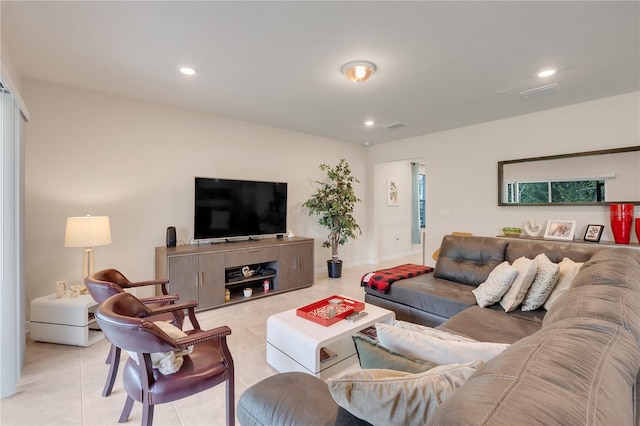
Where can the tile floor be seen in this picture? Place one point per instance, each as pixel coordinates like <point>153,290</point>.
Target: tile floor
<point>62,385</point>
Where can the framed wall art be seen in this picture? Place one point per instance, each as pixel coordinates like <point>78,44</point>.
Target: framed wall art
<point>593,233</point>
<point>560,230</point>
<point>392,193</point>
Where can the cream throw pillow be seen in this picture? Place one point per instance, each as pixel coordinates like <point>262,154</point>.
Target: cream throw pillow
<point>568,270</point>
<point>432,331</point>
<point>167,362</point>
<point>388,397</point>
<point>418,345</point>
<point>527,269</point>
<point>543,283</point>
<point>496,285</point>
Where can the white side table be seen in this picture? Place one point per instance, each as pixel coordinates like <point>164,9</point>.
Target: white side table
<point>294,343</point>
<point>66,320</point>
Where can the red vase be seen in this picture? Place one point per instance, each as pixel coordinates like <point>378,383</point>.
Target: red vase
<point>638,229</point>
<point>621,216</point>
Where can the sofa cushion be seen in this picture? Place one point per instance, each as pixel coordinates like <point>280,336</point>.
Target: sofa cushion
<point>284,399</point>
<point>555,250</point>
<point>494,324</point>
<point>428,347</point>
<point>427,293</point>
<point>574,372</point>
<point>373,355</point>
<point>387,397</point>
<point>469,260</point>
<point>618,267</point>
<point>496,285</point>
<point>527,269</point>
<point>546,278</point>
<point>608,288</point>
<point>620,306</point>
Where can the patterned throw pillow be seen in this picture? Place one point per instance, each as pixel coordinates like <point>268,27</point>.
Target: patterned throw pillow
<point>496,285</point>
<point>545,280</point>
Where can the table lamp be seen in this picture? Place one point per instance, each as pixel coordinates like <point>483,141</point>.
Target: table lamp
<point>87,231</point>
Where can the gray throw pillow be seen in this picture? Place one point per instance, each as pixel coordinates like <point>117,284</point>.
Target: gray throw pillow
<point>374,355</point>
<point>546,278</point>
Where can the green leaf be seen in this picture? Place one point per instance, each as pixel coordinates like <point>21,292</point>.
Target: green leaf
<point>334,202</point>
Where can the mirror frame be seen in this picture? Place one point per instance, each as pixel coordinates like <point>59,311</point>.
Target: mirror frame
<point>501,164</point>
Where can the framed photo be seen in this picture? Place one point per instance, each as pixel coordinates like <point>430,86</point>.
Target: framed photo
<point>392,193</point>
<point>560,230</point>
<point>593,233</point>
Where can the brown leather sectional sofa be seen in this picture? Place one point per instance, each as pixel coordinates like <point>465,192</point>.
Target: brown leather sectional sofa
<point>576,364</point>
<point>464,263</point>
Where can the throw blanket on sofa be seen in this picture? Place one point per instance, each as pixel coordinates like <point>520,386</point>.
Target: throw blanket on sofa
<point>382,280</point>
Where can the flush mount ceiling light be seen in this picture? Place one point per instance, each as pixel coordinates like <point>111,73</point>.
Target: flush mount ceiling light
<point>547,72</point>
<point>369,123</point>
<point>187,71</point>
<point>358,71</point>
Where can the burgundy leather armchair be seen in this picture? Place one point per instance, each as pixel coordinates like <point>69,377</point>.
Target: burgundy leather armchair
<point>125,321</point>
<point>104,284</point>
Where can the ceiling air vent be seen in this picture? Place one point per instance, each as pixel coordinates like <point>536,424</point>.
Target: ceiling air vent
<point>393,126</point>
<point>539,91</point>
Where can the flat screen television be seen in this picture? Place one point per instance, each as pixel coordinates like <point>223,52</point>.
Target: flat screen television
<point>238,208</point>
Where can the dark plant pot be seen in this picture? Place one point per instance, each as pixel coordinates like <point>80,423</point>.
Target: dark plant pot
<point>334,268</point>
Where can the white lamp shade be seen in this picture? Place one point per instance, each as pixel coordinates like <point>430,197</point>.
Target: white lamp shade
<point>87,231</point>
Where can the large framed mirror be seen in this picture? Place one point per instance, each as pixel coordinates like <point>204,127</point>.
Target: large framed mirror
<point>583,178</point>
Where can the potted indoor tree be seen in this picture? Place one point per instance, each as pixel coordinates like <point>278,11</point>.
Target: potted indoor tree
<point>334,201</point>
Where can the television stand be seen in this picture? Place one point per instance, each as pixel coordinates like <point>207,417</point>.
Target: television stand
<point>203,272</point>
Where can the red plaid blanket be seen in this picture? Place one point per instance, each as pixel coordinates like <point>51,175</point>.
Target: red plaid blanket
<point>382,280</point>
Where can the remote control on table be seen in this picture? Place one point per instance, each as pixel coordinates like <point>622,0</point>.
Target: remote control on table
<point>356,316</point>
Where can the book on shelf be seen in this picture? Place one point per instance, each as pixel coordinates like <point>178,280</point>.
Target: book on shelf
<point>370,332</point>
<point>326,355</point>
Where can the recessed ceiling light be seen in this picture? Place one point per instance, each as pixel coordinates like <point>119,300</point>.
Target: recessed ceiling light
<point>187,71</point>
<point>369,123</point>
<point>547,72</point>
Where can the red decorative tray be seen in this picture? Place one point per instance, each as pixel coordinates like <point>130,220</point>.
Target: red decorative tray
<point>318,312</point>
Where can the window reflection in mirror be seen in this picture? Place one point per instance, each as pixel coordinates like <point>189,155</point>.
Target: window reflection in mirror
<point>587,178</point>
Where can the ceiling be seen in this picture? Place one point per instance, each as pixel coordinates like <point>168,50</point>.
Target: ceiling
<point>441,65</point>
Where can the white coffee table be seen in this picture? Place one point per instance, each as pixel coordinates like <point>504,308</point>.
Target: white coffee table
<point>294,343</point>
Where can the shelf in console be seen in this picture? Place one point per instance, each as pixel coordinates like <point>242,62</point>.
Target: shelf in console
<point>252,279</point>
<point>238,297</point>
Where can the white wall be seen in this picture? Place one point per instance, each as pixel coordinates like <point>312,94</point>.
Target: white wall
<point>394,221</point>
<point>89,153</point>
<point>461,165</point>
